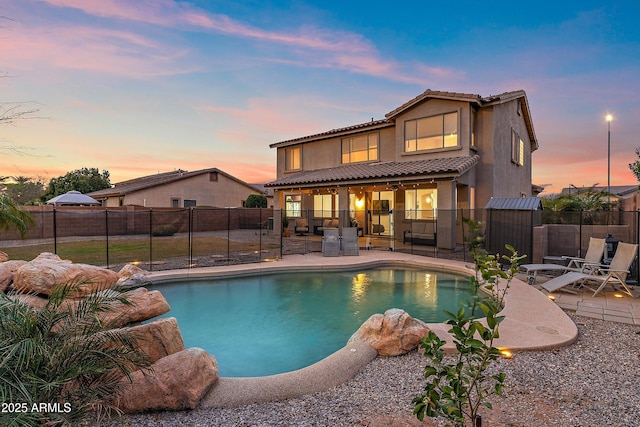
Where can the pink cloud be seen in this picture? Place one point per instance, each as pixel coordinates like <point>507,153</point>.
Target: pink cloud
<point>88,48</point>
<point>313,46</point>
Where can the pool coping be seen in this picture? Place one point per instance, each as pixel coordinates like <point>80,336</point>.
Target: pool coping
<point>532,322</point>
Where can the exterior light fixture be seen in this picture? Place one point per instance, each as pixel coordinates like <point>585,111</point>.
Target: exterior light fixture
<point>505,352</point>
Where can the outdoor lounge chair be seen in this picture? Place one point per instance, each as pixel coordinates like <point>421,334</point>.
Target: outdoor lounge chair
<point>350,244</point>
<point>331,242</point>
<point>595,252</point>
<point>613,274</point>
<point>301,226</point>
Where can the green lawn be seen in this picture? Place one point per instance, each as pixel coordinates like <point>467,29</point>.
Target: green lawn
<point>122,251</point>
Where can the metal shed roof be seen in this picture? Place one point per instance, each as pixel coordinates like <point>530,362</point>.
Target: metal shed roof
<point>515,203</point>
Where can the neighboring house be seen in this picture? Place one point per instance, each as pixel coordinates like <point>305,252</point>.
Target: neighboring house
<point>427,159</point>
<point>627,196</point>
<point>177,189</point>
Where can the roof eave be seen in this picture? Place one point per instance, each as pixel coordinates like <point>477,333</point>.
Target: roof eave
<point>350,130</point>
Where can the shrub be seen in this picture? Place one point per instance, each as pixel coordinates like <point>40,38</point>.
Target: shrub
<point>256,201</point>
<point>63,357</point>
<point>164,231</point>
<point>458,389</point>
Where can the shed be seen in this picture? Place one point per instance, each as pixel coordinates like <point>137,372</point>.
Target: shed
<point>510,220</point>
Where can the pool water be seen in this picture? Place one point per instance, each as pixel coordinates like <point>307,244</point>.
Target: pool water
<point>269,324</point>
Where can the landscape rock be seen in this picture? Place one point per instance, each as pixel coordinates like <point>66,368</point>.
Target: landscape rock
<point>177,382</point>
<point>131,276</point>
<point>7,271</point>
<point>4,256</point>
<point>392,334</point>
<point>144,305</point>
<point>46,271</point>
<point>33,300</point>
<point>158,339</point>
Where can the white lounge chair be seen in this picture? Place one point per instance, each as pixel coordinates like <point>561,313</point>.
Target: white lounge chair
<point>331,242</point>
<point>350,245</point>
<point>601,275</point>
<point>595,252</point>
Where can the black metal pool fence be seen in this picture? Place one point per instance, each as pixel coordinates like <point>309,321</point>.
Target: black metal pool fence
<point>174,238</point>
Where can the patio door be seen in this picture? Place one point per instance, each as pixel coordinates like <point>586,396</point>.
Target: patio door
<point>380,214</point>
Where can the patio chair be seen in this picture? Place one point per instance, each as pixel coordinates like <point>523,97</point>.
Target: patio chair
<point>594,255</point>
<point>331,242</point>
<point>602,275</point>
<point>350,244</point>
<point>301,226</point>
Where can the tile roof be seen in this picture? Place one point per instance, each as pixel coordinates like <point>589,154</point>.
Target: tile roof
<point>373,124</point>
<point>389,119</point>
<point>137,184</point>
<point>448,166</point>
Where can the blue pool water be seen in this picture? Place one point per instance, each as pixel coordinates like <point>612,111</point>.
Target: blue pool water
<point>274,323</point>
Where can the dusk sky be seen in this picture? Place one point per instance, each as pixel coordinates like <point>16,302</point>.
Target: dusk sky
<point>141,87</point>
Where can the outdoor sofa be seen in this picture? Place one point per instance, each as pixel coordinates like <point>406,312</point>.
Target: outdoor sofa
<point>421,233</point>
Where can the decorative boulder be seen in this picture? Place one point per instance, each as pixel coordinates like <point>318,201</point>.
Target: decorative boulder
<point>131,276</point>
<point>7,271</point>
<point>33,300</point>
<point>47,271</point>
<point>4,256</point>
<point>144,305</point>
<point>393,333</point>
<point>158,339</point>
<point>177,382</point>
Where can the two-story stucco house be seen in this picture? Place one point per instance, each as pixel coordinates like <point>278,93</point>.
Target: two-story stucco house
<point>427,159</point>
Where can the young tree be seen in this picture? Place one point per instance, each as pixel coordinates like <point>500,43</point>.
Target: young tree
<point>84,180</point>
<point>635,166</point>
<point>256,201</point>
<point>24,190</point>
<point>12,216</point>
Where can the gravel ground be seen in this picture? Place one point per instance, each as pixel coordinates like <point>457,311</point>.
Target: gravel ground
<point>593,382</point>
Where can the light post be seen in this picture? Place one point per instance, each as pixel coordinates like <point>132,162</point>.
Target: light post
<point>609,118</point>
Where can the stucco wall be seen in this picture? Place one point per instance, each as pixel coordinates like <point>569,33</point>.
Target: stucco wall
<point>430,108</point>
<point>224,192</point>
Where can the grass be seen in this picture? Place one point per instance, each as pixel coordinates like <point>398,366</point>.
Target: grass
<point>135,249</point>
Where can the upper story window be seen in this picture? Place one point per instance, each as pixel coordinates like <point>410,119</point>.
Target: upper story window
<point>431,132</point>
<point>360,148</point>
<point>293,158</point>
<point>517,148</point>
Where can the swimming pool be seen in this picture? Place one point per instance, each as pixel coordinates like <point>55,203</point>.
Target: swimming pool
<point>273,323</point>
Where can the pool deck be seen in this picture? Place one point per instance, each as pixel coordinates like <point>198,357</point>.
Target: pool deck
<point>533,322</point>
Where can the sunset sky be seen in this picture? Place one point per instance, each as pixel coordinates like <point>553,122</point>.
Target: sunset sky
<point>140,87</point>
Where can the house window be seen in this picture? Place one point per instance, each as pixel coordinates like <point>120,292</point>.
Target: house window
<point>431,132</point>
<point>325,205</point>
<point>293,205</point>
<point>517,149</point>
<point>188,203</point>
<point>293,158</point>
<point>421,203</point>
<point>175,203</point>
<point>360,148</point>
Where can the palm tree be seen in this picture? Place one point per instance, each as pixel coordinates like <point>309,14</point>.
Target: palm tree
<point>63,355</point>
<point>12,216</point>
<point>587,201</point>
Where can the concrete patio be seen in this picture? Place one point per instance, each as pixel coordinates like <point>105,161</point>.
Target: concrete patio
<point>609,305</point>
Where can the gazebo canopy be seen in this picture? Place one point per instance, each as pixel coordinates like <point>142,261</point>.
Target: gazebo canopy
<point>73,198</point>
